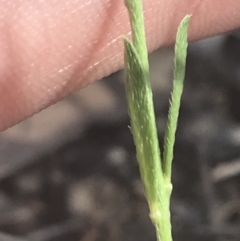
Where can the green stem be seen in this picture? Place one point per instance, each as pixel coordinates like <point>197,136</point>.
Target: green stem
<point>138,31</point>
<point>141,109</point>
<point>156,180</point>
<point>143,128</point>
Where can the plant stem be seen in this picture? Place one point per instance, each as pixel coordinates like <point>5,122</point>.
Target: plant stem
<point>138,31</point>
<point>154,174</point>
<point>139,95</point>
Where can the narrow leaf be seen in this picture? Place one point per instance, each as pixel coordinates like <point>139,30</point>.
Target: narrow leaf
<point>179,75</point>
<point>143,125</point>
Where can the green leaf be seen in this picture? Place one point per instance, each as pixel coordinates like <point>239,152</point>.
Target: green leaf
<point>179,75</point>
<point>143,123</point>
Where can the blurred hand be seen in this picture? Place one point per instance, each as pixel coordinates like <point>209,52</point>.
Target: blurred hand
<point>50,48</point>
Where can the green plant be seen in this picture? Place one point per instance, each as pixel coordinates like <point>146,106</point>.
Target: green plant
<point>155,168</point>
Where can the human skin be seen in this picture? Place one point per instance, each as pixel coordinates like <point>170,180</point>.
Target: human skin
<point>50,48</point>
